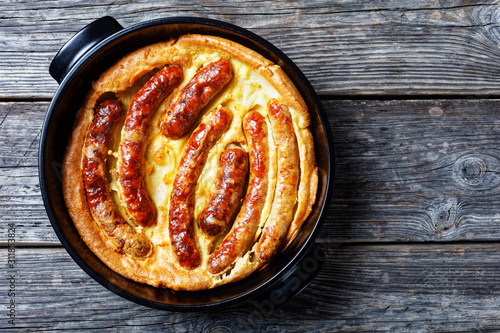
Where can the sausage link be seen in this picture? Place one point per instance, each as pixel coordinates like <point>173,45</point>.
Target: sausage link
<point>240,237</point>
<point>205,84</point>
<point>228,191</point>
<point>181,212</point>
<point>102,207</point>
<point>131,159</point>
<point>287,180</point>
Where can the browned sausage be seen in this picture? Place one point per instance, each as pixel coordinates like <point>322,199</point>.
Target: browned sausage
<point>180,227</point>
<point>204,85</point>
<point>228,191</point>
<point>102,207</point>
<point>287,180</point>
<point>131,158</point>
<point>241,235</point>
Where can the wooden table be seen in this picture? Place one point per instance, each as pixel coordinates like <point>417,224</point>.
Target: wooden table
<point>412,93</point>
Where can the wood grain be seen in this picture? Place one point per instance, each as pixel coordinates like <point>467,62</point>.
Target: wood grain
<point>412,92</point>
<point>410,290</point>
<point>344,47</point>
<point>20,130</point>
<point>422,170</point>
<point>416,170</point>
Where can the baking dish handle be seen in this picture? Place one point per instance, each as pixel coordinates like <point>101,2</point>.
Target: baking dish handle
<point>80,44</point>
<point>308,268</point>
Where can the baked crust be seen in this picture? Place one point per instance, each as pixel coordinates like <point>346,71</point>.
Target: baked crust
<point>256,81</point>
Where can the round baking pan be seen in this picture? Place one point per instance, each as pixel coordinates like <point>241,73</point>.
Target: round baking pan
<point>82,60</point>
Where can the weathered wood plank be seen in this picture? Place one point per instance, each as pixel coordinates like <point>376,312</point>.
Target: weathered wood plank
<point>21,205</point>
<point>407,170</point>
<point>421,170</point>
<point>397,288</point>
<point>20,131</point>
<point>344,47</point>
<point>415,170</point>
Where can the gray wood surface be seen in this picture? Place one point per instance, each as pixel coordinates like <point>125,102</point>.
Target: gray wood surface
<point>412,93</point>
<point>373,288</point>
<point>344,47</point>
<point>406,170</point>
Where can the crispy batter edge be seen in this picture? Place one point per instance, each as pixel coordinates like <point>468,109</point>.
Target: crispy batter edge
<point>155,270</point>
<point>74,196</point>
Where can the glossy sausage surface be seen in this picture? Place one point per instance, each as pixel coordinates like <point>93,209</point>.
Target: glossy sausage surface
<point>181,211</point>
<point>205,84</point>
<point>131,158</point>
<point>107,116</point>
<point>285,196</point>
<point>240,237</point>
<point>228,191</point>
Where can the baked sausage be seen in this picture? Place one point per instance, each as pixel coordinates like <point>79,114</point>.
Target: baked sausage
<point>107,116</point>
<point>181,211</point>
<point>285,196</point>
<point>131,158</point>
<point>205,84</point>
<point>241,235</point>
<point>228,191</point>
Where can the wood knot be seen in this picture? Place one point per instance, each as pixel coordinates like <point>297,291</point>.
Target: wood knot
<point>470,170</point>
<point>444,217</point>
<point>476,172</point>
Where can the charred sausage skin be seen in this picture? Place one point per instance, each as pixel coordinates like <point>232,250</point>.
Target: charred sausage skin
<point>178,118</point>
<point>124,237</point>
<point>182,198</point>
<point>241,235</point>
<point>135,129</point>
<point>228,191</point>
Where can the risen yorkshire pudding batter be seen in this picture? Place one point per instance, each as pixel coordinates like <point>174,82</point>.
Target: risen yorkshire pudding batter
<point>191,164</point>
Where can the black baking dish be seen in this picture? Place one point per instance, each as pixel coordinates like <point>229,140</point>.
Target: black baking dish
<point>81,61</point>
